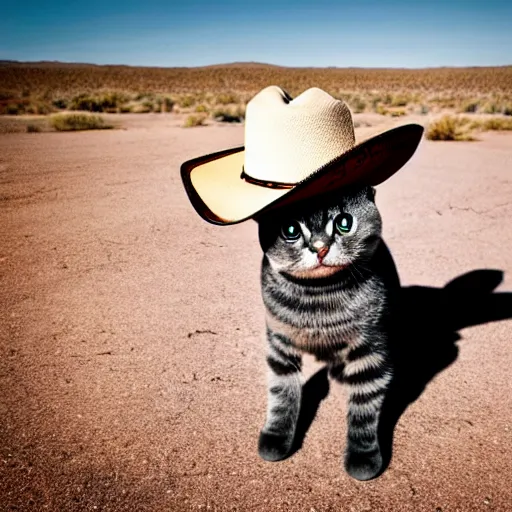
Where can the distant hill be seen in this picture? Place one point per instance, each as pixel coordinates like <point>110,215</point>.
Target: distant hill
<point>243,65</point>
<point>58,64</point>
<point>46,64</point>
<point>247,65</point>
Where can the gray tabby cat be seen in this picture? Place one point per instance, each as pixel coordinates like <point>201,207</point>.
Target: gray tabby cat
<point>329,287</point>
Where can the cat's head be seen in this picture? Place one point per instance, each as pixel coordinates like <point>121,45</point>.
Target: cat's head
<point>318,239</point>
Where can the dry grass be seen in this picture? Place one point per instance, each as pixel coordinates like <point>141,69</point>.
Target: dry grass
<point>34,128</point>
<point>231,82</point>
<point>494,123</point>
<point>77,122</point>
<point>193,121</point>
<point>22,124</point>
<point>41,88</point>
<point>450,128</point>
<point>235,114</point>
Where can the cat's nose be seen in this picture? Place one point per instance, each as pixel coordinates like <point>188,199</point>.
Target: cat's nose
<point>320,248</point>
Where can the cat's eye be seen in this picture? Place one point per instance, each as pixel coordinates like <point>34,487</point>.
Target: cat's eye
<point>344,223</point>
<point>291,231</point>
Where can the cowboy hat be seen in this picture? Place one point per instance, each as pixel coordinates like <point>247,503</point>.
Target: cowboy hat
<point>294,149</point>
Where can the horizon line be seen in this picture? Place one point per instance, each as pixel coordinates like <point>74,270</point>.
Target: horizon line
<point>246,64</point>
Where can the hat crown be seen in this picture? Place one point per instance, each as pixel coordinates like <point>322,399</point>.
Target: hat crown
<point>286,140</point>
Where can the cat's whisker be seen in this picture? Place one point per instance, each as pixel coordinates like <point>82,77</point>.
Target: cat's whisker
<point>354,266</point>
<point>350,267</point>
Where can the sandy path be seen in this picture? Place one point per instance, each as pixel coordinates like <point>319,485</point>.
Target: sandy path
<point>132,369</point>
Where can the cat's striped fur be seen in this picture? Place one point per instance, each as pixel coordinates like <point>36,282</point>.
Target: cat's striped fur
<point>340,313</point>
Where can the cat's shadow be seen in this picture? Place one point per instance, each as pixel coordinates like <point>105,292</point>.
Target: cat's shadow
<point>424,344</point>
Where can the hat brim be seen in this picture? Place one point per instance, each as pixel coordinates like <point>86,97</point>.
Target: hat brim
<point>221,196</point>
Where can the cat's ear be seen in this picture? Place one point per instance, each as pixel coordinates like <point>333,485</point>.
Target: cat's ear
<point>371,193</point>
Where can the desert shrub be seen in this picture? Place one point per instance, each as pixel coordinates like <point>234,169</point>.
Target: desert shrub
<point>227,99</point>
<point>143,95</point>
<point>149,105</point>
<point>168,104</point>
<point>25,106</point>
<point>449,128</point>
<point>42,109</point>
<point>398,112</point>
<point>84,102</point>
<point>201,109</point>
<point>445,101</point>
<point>357,105</point>
<point>106,102</point>
<point>163,104</point>
<point>60,103</point>
<point>31,108</point>
<point>142,108</point>
<point>230,98</point>
<point>470,107</point>
<point>229,115</point>
<point>14,109</point>
<point>112,100</point>
<point>424,110</point>
<point>491,108</point>
<point>153,103</point>
<point>381,110</point>
<point>46,94</point>
<point>125,109</point>
<point>192,121</point>
<point>507,110</point>
<point>76,122</point>
<point>33,128</point>
<point>375,103</point>
<point>495,123</point>
<point>399,101</point>
<point>387,99</point>
<point>6,95</point>
<point>240,110</point>
<point>157,105</point>
<point>187,101</point>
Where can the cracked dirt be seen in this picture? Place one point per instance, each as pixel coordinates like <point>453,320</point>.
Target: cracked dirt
<point>132,363</point>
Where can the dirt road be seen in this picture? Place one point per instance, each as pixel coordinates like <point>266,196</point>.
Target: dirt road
<point>132,371</point>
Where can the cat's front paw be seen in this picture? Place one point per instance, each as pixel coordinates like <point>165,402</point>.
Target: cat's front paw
<point>363,465</point>
<point>274,447</point>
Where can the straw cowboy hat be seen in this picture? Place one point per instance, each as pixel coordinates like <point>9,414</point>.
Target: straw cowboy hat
<point>294,149</point>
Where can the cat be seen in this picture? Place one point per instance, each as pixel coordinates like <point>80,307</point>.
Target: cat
<point>330,288</point>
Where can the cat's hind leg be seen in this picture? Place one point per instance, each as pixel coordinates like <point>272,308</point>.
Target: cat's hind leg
<point>284,397</point>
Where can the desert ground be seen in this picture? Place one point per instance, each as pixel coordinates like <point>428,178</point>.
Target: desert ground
<point>132,357</point>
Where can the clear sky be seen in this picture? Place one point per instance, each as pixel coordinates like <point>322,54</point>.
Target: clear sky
<point>364,33</point>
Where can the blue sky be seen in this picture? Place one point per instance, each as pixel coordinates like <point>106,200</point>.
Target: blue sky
<point>364,33</point>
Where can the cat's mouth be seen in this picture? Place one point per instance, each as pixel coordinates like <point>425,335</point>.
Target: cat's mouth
<point>319,271</point>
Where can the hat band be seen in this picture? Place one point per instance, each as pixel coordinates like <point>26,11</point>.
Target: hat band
<point>265,183</point>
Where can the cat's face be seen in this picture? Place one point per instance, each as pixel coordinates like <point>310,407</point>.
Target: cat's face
<point>321,239</point>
